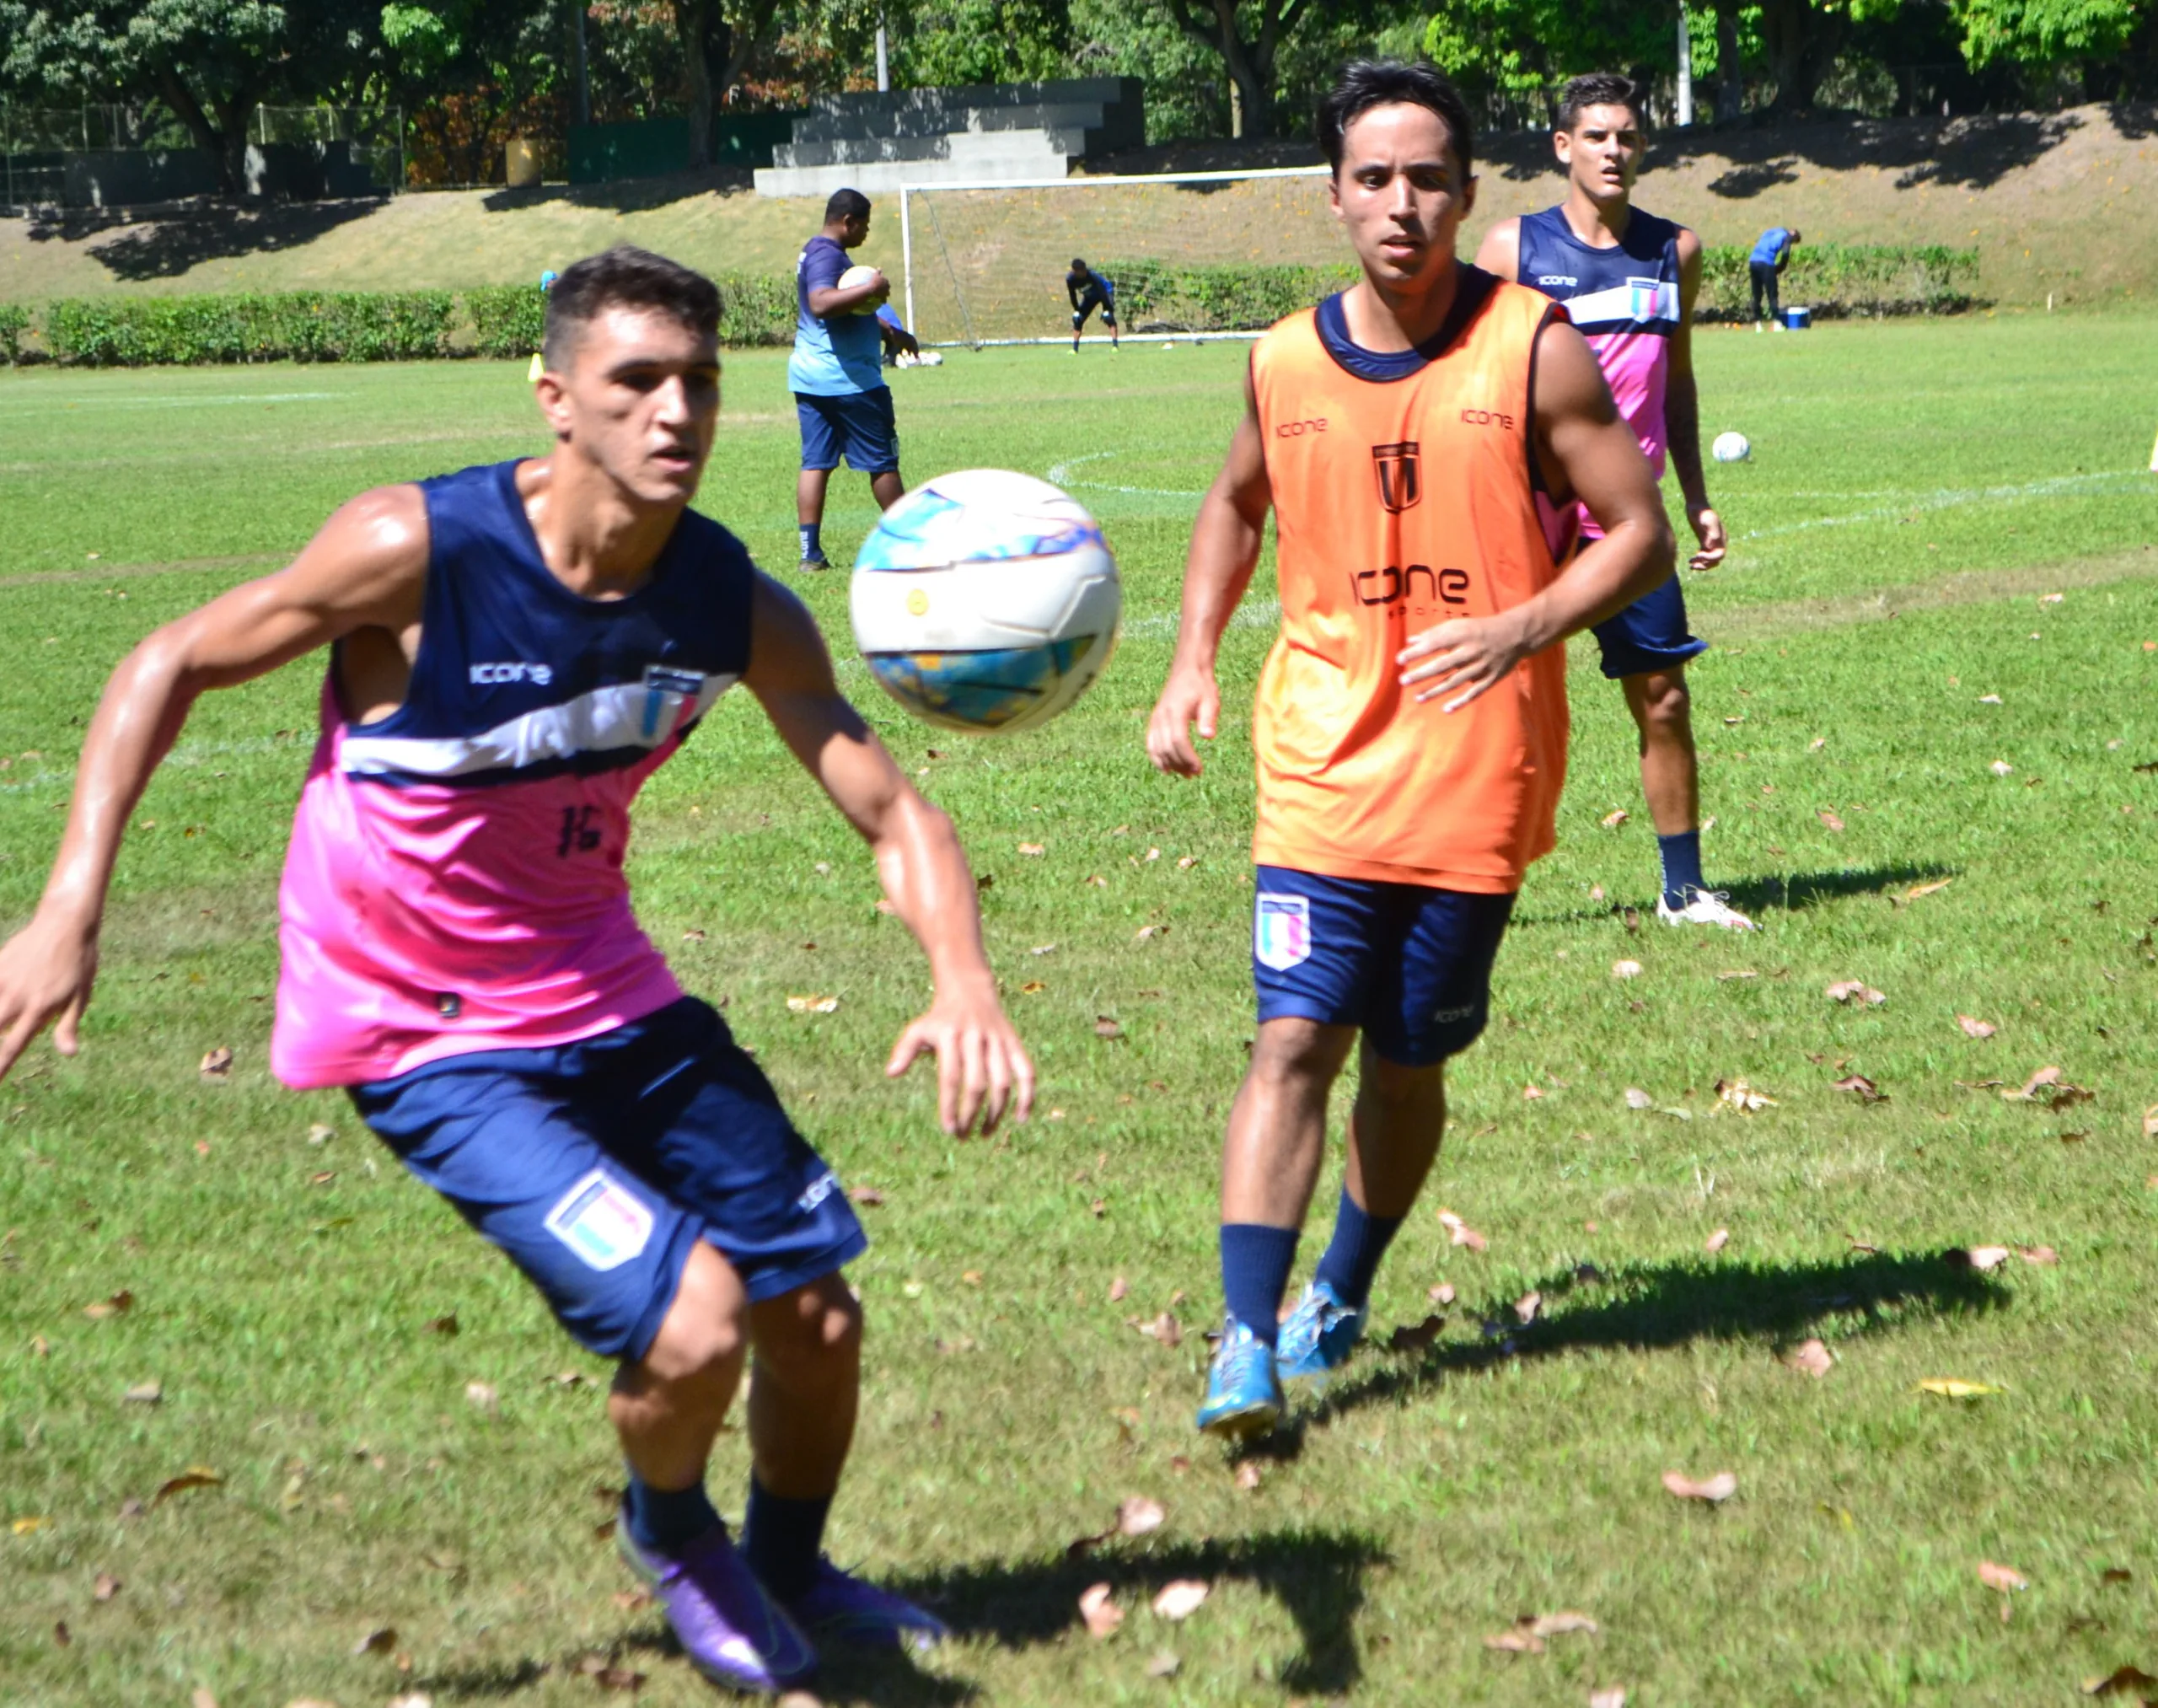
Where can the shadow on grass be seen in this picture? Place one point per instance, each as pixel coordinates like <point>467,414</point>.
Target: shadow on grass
<point>1651,1306</point>
<point>169,244</point>
<point>1783,891</point>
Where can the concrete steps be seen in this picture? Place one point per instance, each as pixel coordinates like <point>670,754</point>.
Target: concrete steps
<point>875,141</point>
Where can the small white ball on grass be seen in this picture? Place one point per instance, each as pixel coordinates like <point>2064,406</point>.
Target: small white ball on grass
<point>1732,448</point>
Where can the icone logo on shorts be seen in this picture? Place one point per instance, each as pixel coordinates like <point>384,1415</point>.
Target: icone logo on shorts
<point>1281,931</point>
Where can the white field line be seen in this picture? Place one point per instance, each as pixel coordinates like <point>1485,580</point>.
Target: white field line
<point>52,407</point>
<point>1951,498</point>
<point>1061,475</point>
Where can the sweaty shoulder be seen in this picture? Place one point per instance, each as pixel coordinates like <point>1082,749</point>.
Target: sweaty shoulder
<point>375,545</point>
<point>1499,253</point>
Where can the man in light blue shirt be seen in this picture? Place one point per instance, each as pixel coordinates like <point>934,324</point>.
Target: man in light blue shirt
<point>837,371</point>
<point>1771,255</point>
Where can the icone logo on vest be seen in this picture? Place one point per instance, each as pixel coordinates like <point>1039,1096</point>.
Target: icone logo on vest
<point>1391,586</point>
<point>540,673</point>
<point>1488,417</point>
<point>1297,429</point>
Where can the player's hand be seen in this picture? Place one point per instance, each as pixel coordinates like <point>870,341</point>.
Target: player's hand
<point>982,1069</point>
<point>1190,697</point>
<point>880,290</point>
<point>46,970</point>
<point>1707,529</point>
<point>1462,658</point>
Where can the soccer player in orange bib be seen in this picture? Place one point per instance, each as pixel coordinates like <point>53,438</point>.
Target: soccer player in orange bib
<point>1421,439</point>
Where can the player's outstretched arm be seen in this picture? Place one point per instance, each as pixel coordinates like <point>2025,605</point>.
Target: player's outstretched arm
<point>1225,542</point>
<point>1682,413</point>
<point>1499,253</point>
<point>982,1069</point>
<point>1587,451</point>
<point>366,566</point>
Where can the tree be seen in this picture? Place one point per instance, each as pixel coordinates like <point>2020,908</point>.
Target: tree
<point>2039,34</point>
<point>210,61</point>
<point>1249,38</point>
<point>1513,53</point>
<point>717,37</point>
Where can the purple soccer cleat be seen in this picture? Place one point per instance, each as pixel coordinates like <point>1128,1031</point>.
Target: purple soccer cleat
<point>731,1630</point>
<point>846,1609</point>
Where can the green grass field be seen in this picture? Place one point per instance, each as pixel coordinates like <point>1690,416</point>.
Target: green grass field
<point>1918,494</point>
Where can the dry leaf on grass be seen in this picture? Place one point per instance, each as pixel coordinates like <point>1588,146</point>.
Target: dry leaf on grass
<point>481,1394</point>
<point>1164,1666</point>
<point>1995,1576</point>
<point>445,1325</point>
<point>1984,1258</point>
<point>1528,1308</point>
<point>1955,1387</point>
<point>1181,1598</point>
<point>1975,1027</point>
<point>869,1197</point>
<point>218,1063</point>
<point>1517,1641</point>
<point>1442,1294</point>
<point>1716,1242</point>
<point>199,1698</point>
<point>378,1642</point>
<point>1854,992</point>
<point>1139,1516</point>
<point>1638,1098</point>
<point>1625,970</point>
<point>812,1003</point>
<point>1864,1089</point>
<point>105,1588</point>
<point>1105,1027</point>
<point>2113,1574</point>
<point>1031,849</point>
<point>144,1393</point>
<point>1737,976</point>
<point>1459,1232</point>
<point>194,1477</point>
<point>119,1303</point>
<point>1828,816</point>
<point>413,1699</point>
<point>1247,1473</point>
<point>1164,1328</point>
<point>1715,1490</point>
<point>1737,1094</point>
<point>2119,1682</point>
<point>2040,1254</point>
<point>1117,1289</point>
<point>1613,1696</point>
<point>1560,1624</point>
<point>1102,1615</point>
<point>2001,768</point>
<point>2039,1079</point>
<point>1809,1358</point>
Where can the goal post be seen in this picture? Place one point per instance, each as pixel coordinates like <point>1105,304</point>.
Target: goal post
<point>1191,255</point>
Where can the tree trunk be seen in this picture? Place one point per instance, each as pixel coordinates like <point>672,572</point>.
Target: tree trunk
<point>693,22</point>
<point>1248,85</point>
<point>1731,69</point>
<point>1801,43</point>
<point>174,91</point>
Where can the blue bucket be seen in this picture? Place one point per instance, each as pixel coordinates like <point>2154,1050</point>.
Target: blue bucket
<point>1797,320</point>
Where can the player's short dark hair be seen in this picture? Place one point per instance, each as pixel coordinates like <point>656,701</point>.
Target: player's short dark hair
<point>845,204</point>
<point>1078,266</point>
<point>1366,84</point>
<point>1600,88</point>
<point>626,276</point>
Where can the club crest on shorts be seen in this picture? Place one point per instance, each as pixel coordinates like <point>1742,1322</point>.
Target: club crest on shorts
<point>602,1221</point>
<point>1281,931</point>
<point>1399,468</point>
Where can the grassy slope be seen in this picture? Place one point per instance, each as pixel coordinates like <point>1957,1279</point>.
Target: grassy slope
<point>2067,203</point>
<point>1432,1499</point>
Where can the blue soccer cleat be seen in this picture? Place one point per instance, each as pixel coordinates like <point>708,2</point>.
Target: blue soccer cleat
<point>1320,1334</point>
<point>1243,1395</point>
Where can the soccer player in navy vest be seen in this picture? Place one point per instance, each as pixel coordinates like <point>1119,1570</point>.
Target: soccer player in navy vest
<point>837,371</point>
<point>513,650</point>
<point>1628,279</point>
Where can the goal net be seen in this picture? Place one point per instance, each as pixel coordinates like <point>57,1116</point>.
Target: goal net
<point>1205,254</point>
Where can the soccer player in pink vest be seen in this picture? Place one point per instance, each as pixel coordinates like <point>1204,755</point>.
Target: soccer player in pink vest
<point>512,650</point>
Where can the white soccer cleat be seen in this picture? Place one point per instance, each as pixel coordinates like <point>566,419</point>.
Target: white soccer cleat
<point>1703,907</point>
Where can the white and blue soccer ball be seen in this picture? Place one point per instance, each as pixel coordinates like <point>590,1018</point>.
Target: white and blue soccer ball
<point>985,601</point>
<point>1732,448</point>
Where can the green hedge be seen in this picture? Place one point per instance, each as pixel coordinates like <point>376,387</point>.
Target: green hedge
<point>1840,281</point>
<point>502,321</point>
<point>1835,280</point>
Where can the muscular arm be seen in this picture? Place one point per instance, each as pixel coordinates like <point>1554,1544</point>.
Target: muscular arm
<point>366,569</point>
<point>1682,412</point>
<point>1225,542</point>
<point>1587,451</point>
<point>1500,252</point>
<point>980,1059</point>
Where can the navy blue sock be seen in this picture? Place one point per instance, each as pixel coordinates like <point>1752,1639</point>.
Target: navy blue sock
<point>781,1539</point>
<point>666,1521</point>
<point>1682,866</point>
<point>1255,1264</point>
<point>1352,1256</point>
<point>812,545</point>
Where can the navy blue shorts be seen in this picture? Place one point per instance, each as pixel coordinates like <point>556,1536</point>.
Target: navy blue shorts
<point>1651,634</point>
<point>597,1166</point>
<point>859,423</point>
<point>1409,966</point>
<point>1089,301</point>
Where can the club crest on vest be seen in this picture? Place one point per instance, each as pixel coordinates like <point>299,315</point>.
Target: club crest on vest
<point>1399,468</point>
